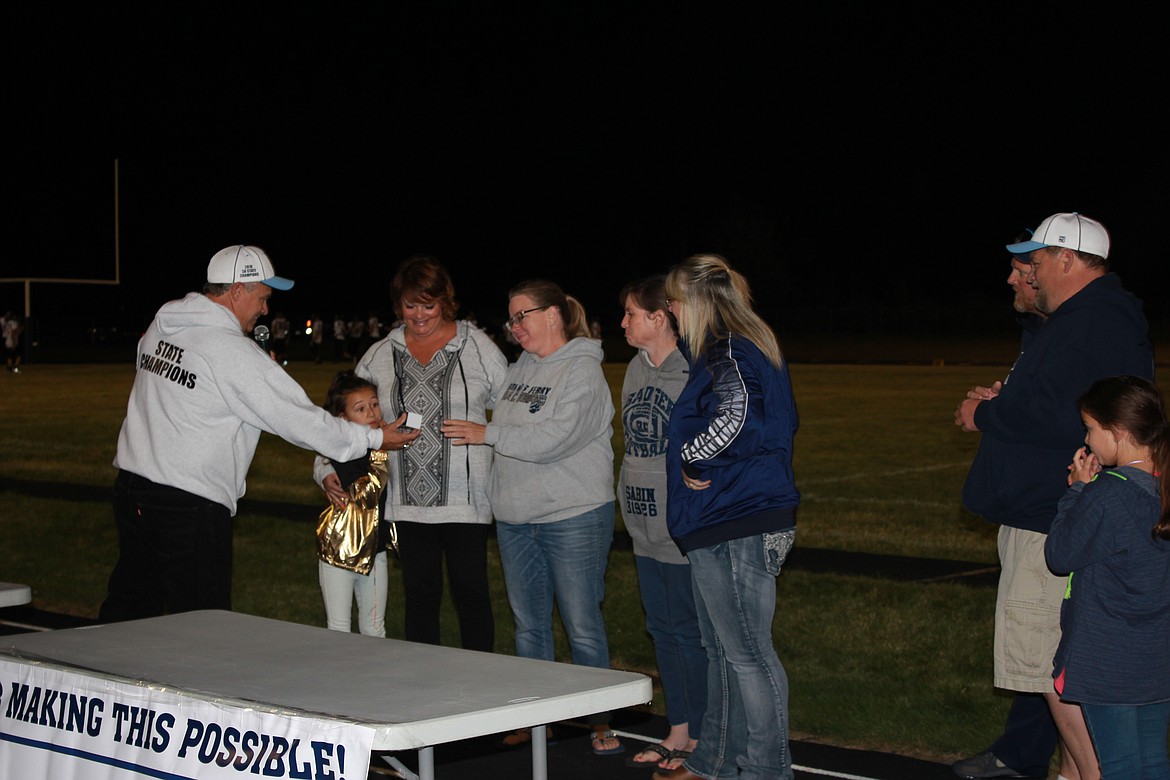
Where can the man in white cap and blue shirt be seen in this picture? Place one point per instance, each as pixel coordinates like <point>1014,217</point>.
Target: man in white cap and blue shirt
<point>1030,429</point>
<point>203,391</point>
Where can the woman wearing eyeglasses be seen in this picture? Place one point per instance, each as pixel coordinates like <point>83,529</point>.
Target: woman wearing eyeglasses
<point>732,511</point>
<point>436,365</point>
<point>552,481</point>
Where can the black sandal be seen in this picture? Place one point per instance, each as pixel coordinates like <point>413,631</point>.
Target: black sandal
<point>663,753</point>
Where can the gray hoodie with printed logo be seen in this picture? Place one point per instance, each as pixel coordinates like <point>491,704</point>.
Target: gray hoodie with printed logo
<point>551,431</point>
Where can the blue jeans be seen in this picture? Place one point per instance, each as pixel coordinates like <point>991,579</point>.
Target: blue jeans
<point>1130,740</point>
<point>745,729</point>
<point>669,601</point>
<point>563,560</point>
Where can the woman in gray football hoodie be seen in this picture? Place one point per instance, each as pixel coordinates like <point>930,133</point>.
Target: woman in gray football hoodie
<point>654,379</point>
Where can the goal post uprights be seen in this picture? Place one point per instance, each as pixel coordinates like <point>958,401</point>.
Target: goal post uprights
<point>28,281</point>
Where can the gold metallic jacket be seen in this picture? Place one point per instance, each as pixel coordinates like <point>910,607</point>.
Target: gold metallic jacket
<point>348,538</point>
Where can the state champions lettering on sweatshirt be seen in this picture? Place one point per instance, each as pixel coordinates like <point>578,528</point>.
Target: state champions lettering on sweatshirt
<point>203,391</point>
<point>551,431</point>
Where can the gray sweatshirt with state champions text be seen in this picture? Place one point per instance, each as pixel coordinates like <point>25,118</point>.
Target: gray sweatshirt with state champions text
<point>203,392</point>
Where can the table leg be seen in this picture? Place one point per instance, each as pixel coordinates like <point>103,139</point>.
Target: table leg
<point>402,769</point>
<point>539,753</point>
<point>426,763</point>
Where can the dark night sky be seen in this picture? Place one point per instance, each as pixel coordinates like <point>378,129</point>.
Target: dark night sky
<point>837,153</point>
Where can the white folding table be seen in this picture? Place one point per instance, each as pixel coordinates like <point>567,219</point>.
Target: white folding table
<point>12,594</point>
<point>415,696</point>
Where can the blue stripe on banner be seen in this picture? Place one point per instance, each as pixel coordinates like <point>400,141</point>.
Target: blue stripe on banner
<point>92,757</point>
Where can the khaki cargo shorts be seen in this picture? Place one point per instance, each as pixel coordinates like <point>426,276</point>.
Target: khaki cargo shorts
<point>1027,613</point>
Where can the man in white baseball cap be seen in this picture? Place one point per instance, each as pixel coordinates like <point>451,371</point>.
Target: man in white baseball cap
<point>1070,230</point>
<point>1067,251</point>
<point>1030,429</point>
<point>241,279</point>
<point>203,391</point>
<point>244,264</point>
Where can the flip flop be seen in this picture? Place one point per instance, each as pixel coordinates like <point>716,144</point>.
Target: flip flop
<point>664,754</point>
<point>680,755</point>
<point>600,735</point>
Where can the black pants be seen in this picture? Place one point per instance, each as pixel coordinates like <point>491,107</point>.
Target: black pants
<point>422,548</point>
<point>174,552</point>
<point>1029,737</point>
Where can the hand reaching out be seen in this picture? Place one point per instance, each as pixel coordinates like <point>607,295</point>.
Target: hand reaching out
<point>462,432</point>
<point>392,438</point>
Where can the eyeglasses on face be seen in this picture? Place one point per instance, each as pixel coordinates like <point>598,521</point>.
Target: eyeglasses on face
<point>519,316</point>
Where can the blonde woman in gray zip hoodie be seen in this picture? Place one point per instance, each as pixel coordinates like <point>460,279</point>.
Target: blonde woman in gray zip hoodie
<point>552,482</point>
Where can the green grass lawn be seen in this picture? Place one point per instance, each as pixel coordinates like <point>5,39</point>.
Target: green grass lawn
<point>873,663</point>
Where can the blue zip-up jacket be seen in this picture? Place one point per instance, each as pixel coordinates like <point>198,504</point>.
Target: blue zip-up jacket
<point>1031,429</point>
<point>1115,620</point>
<point>733,424</point>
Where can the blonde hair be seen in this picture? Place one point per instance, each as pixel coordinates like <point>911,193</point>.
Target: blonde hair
<point>574,323</point>
<point>717,302</point>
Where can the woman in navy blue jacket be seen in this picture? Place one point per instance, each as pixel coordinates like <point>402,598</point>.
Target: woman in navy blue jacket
<point>732,511</point>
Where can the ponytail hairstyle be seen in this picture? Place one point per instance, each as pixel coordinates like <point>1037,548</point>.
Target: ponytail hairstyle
<point>543,293</point>
<point>1130,404</point>
<point>717,302</point>
<point>342,385</point>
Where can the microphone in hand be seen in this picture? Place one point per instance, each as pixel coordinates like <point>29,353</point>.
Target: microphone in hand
<point>260,333</point>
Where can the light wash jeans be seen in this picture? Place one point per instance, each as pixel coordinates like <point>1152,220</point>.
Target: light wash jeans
<point>745,729</point>
<point>1130,740</point>
<point>669,601</point>
<point>341,586</point>
<point>563,560</point>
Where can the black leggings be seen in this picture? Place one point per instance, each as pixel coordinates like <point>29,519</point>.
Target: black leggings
<point>422,548</point>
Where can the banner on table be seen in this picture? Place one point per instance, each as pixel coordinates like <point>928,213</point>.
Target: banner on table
<point>61,724</point>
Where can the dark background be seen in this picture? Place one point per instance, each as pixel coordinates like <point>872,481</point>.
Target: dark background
<point>862,163</point>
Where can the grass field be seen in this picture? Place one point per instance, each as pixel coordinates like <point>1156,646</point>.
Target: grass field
<point>874,663</point>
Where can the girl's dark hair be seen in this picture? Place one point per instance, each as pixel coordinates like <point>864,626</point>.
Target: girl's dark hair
<point>339,389</point>
<point>649,294</point>
<point>1130,404</point>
